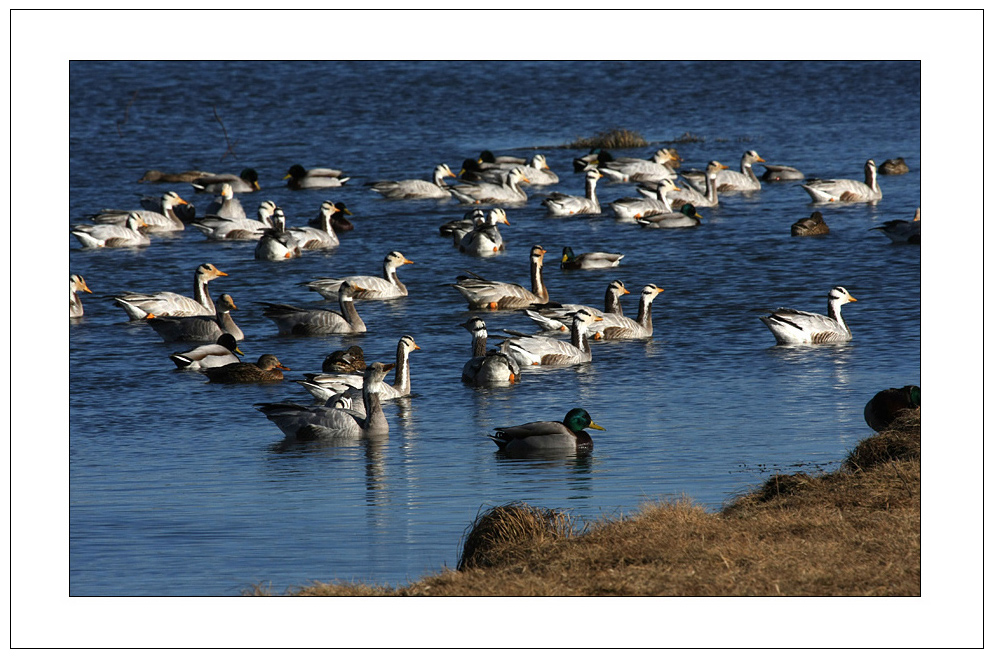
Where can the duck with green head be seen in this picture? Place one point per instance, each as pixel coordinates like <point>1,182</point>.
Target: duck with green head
<point>548,436</point>
<point>687,217</point>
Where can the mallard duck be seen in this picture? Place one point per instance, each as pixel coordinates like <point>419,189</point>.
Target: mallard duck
<point>76,283</point>
<point>508,191</point>
<point>901,231</point>
<point>492,295</point>
<point>813,225</point>
<point>295,321</point>
<point>632,208</point>
<point>163,220</point>
<point>591,260</point>
<point>298,178</point>
<point>267,369</point>
<point>336,213</point>
<point>156,176</point>
<point>346,389</point>
<point>302,423</point>
<point>485,239</point>
<point>226,205</point>
<point>561,205</point>
<point>733,181</point>
<point>636,170</point>
<point>416,189</point>
<point>369,287</point>
<point>616,325</point>
<point>790,326</point>
<point>894,166</point>
<point>199,328</point>
<point>547,435</point>
<point>888,404</point>
<point>844,189</point>
<point>99,236</point>
<point>162,304</point>
<point>220,228</point>
<point>220,353</point>
<point>779,173</point>
<point>487,366</point>
<point>688,194</point>
<point>348,361</point>
<point>310,238</point>
<point>488,157</point>
<point>277,243</point>
<point>245,182</point>
<point>546,351</point>
<point>687,217</point>
<point>559,317</point>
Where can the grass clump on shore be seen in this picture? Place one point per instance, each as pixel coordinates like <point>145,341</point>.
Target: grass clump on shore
<point>615,138</point>
<point>852,532</point>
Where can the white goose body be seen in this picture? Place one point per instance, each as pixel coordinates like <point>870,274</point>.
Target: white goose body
<point>277,243</point>
<point>615,325</point>
<point>484,294</point>
<point>332,388</point>
<point>139,306</point>
<point>558,317</point>
<point>689,195</point>
<point>790,326</point>
<point>632,208</point>
<point>101,236</point>
<point>296,321</point>
<point>744,180</point>
<point>199,328</point>
<point>637,170</point>
<point>561,205</point>
<point>536,171</point>
<point>546,351</point>
<point>220,228</point>
<point>226,205</point>
<point>846,190</point>
<point>487,366</point>
<point>417,189</point>
<point>311,238</point>
<point>166,221</point>
<point>485,239</point>
<point>389,286</point>
<point>76,284</point>
<point>508,192</point>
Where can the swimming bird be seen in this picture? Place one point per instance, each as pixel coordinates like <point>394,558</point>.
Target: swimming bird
<point>416,189</point>
<point>632,208</point>
<point>548,436</point>
<point>296,321</point>
<point>547,351</point>
<point>637,170</point>
<point>199,328</point>
<point>743,180</point>
<point>507,192</point>
<point>790,326</point>
<point>561,205</point>
<point>368,287</point>
<point>333,388</point>
<point>277,243</point>
<point>616,325</point>
<point>166,205</point>
<point>336,212</point>
<point>76,283</point>
<point>559,317</point>
<point>894,166</point>
<point>226,205</point>
<point>591,260</point>
<point>536,171</point>
<point>220,228</point>
<point>156,176</point>
<point>844,189</point>
<point>687,217</point>
<point>222,352</point>
<point>245,182</point>
<point>689,195</point>
<point>901,231</point>
<point>303,423</point>
<point>813,225</point>
<point>162,304</point>
<point>267,369</point>
<point>485,239</point>
<point>348,361</point>
<point>457,228</point>
<point>298,178</point>
<point>310,238</point>
<point>97,236</point>
<point>484,294</point>
<point>163,220</point>
<point>884,407</point>
<point>487,366</point>
<point>780,173</point>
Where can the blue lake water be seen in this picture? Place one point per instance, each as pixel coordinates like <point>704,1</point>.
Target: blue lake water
<point>178,486</point>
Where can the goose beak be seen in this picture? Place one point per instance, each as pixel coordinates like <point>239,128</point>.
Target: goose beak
<point>84,287</point>
<point>408,262</point>
<point>758,159</point>
<point>851,298</point>
<point>181,201</point>
<point>595,426</point>
<point>219,272</point>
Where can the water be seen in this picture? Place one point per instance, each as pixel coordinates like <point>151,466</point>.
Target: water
<point>178,486</point>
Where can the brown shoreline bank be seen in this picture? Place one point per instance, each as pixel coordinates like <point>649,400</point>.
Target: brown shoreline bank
<point>853,532</point>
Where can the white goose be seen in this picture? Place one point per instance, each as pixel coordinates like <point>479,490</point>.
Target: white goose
<point>226,205</point>
<point>310,238</point>
<point>369,287</point>
<point>546,351</point>
<point>615,325</point>
<point>733,181</point>
<point>416,189</point>
<point>844,189</point>
<point>457,228</point>
<point>99,236</point>
<point>637,170</point>
<point>536,171</point>
<point>296,321</point>
<point>558,317</point>
<point>304,423</point>
<point>901,231</point>
<point>199,328</point>
<point>484,294</point>
<point>561,205</point>
<point>631,208</point>
<point>219,228</point>
<point>139,306</point>
<point>709,199</point>
<point>790,326</point>
<point>487,366</point>
<point>485,239</point>
<point>277,243</point>
<point>509,191</point>
<point>76,283</point>
<point>166,221</point>
<point>332,388</point>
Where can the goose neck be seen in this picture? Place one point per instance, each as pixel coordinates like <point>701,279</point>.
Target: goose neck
<point>645,314</point>
<point>200,294</point>
<point>578,337</point>
<point>480,343</point>
<point>538,285</point>
<point>351,315</point>
<point>402,373</point>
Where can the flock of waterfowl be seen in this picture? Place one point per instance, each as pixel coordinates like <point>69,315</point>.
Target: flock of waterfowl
<point>348,392</point>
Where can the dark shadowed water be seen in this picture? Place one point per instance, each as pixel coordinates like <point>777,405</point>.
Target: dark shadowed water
<point>178,486</point>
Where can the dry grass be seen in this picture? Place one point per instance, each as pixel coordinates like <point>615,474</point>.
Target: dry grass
<point>855,532</point>
<point>615,138</point>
